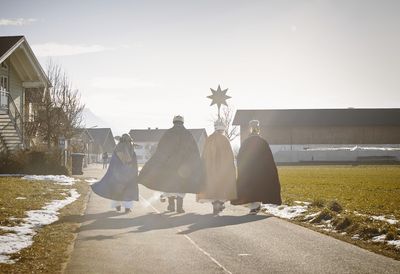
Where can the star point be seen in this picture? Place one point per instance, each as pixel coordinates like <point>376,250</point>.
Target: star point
<point>219,97</point>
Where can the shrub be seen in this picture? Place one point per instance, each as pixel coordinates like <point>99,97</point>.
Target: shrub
<point>318,203</point>
<point>335,206</point>
<point>367,231</point>
<point>33,162</point>
<point>391,234</point>
<point>324,215</point>
<point>343,223</point>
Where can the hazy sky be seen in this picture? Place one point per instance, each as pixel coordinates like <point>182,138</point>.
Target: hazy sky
<point>138,63</point>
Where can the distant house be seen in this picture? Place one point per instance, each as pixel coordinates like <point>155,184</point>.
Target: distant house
<point>103,141</point>
<point>146,141</point>
<point>327,135</point>
<point>22,86</point>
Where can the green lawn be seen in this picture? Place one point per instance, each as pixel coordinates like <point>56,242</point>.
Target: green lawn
<point>372,190</point>
<point>357,193</point>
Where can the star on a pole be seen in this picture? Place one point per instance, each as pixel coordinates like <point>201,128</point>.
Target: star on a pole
<point>219,97</point>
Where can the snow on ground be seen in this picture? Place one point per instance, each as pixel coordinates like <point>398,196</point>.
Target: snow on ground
<point>391,221</point>
<point>396,243</point>
<point>21,236</point>
<point>91,180</point>
<point>382,239</point>
<point>353,148</point>
<point>285,211</point>
<point>311,216</point>
<point>355,237</point>
<point>59,179</point>
<point>302,203</point>
<point>379,239</point>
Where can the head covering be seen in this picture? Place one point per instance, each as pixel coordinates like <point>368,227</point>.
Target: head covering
<point>126,138</point>
<point>254,126</point>
<point>219,124</point>
<point>178,119</point>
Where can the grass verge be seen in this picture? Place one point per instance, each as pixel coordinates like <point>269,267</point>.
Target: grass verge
<point>50,250</point>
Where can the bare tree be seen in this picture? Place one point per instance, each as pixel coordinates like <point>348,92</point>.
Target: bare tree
<point>61,110</point>
<point>227,114</point>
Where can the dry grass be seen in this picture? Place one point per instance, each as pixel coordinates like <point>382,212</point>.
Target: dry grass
<point>51,245</point>
<point>348,196</point>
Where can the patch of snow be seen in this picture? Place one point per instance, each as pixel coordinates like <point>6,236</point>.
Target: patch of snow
<point>312,216</point>
<point>355,237</point>
<point>91,180</point>
<point>384,219</point>
<point>22,235</point>
<point>20,198</point>
<point>59,179</point>
<point>353,148</point>
<point>329,230</point>
<point>396,243</point>
<point>6,260</point>
<point>284,211</point>
<point>382,239</point>
<point>302,203</point>
<point>379,239</point>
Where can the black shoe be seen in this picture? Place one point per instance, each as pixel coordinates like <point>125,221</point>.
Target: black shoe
<point>171,204</point>
<point>255,211</point>
<point>179,205</point>
<point>128,210</point>
<point>118,208</point>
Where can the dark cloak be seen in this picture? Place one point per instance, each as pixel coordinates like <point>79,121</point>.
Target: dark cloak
<point>257,179</point>
<point>120,181</point>
<point>176,164</point>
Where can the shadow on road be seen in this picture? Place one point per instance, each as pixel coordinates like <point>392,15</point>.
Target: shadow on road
<point>88,217</point>
<point>153,221</point>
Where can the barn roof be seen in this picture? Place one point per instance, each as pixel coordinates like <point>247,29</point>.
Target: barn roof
<point>154,135</point>
<point>320,117</point>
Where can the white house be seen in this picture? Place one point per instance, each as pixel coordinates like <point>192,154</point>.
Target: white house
<point>22,86</point>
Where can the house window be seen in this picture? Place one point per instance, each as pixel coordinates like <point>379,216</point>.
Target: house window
<point>3,82</point>
<point>4,66</point>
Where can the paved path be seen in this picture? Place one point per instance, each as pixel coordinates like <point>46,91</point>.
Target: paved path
<point>152,241</point>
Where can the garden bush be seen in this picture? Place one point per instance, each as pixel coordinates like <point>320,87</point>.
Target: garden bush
<point>32,162</point>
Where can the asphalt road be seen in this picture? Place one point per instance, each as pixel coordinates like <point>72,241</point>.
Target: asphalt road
<point>149,240</point>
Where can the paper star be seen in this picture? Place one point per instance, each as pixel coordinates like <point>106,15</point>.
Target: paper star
<point>219,97</point>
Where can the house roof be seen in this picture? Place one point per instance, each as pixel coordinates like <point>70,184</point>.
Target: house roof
<point>320,117</point>
<point>154,135</point>
<point>7,43</point>
<point>103,137</point>
<point>10,44</point>
<point>80,132</point>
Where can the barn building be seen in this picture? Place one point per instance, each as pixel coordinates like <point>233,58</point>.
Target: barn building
<point>327,135</point>
<point>146,141</point>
